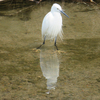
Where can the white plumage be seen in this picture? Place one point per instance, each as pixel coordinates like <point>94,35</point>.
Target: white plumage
<point>52,23</point>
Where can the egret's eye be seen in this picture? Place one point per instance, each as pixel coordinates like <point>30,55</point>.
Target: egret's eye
<point>57,9</point>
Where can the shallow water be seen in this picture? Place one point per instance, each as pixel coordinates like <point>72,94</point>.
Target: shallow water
<point>71,73</point>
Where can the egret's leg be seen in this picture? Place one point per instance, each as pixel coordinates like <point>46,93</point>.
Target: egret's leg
<point>42,44</point>
<point>44,40</point>
<point>55,42</point>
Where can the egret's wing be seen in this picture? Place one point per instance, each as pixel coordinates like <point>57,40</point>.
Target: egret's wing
<point>46,23</point>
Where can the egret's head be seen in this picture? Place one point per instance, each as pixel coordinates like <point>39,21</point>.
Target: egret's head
<point>57,8</point>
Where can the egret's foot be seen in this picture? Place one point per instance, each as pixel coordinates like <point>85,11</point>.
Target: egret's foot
<point>36,50</point>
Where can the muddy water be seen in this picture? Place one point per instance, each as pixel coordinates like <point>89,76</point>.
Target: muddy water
<point>71,73</point>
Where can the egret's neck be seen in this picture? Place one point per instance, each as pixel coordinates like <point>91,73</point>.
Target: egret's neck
<point>57,18</point>
<point>55,13</point>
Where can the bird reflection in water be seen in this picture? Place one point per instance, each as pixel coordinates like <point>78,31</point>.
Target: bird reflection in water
<point>49,64</point>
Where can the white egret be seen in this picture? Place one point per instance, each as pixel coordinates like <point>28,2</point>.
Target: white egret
<point>52,24</point>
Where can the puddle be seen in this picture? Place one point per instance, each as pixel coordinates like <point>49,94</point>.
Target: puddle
<point>71,73</point>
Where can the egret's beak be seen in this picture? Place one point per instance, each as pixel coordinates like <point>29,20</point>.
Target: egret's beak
<point>64,13</point>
